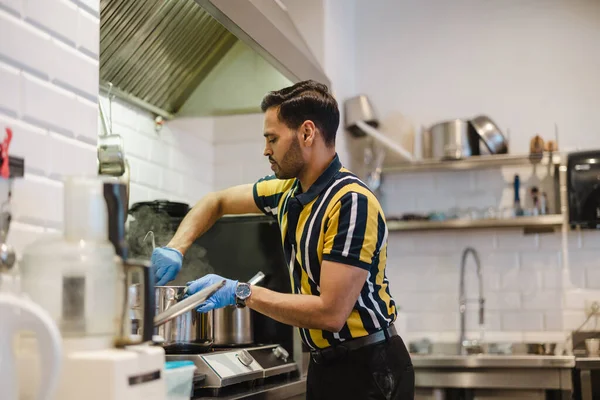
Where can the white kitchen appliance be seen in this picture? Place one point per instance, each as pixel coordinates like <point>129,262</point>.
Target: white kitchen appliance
<point>17,314</point>
<point>81,279</point>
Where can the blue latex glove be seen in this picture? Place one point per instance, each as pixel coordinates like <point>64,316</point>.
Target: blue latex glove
<point>166,263</point>
<point>225,296</point>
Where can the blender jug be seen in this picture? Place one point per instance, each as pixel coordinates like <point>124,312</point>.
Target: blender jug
<point>80,277</point>
<point>74,275</point>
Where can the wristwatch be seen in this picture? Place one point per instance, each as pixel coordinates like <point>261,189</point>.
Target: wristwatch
<point>242,292</point>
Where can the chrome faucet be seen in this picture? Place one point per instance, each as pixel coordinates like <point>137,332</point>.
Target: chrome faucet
<point>463,345</point>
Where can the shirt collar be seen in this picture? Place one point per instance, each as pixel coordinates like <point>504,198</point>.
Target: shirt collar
<point>320,184</point>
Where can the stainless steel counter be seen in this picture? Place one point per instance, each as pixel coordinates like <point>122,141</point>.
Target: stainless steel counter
<point>292,389</point>
<point>587,362</point>
<point>492,361</point>
<point>511,372</point>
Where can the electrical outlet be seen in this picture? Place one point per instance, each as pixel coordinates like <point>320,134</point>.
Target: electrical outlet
<point>592,307</point>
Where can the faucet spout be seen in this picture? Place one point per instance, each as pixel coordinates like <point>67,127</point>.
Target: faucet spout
<point>462,299</point>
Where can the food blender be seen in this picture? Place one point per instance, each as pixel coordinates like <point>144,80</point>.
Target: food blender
<point>81,278</point>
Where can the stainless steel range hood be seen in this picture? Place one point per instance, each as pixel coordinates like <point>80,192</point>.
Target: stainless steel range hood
<point>160,54</point>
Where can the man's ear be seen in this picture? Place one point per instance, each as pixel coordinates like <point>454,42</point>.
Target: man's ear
<point>309,132</point>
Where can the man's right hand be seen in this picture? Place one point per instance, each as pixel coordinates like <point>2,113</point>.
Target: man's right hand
<point>166,263</point>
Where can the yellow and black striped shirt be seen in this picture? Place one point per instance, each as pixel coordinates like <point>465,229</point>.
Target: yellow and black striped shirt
<point>337,219</point>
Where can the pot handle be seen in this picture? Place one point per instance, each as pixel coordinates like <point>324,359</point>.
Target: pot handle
<point>187,304</point>
<point>256,279</point>
<point>149,301</point>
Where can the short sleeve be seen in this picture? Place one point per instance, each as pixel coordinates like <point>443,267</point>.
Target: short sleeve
<point>354,231</point>
<point>268,191</point>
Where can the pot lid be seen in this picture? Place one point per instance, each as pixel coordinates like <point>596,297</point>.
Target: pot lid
<point>171,208</point>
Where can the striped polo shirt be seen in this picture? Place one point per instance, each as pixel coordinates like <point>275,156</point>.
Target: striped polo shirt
<point>337,219</point>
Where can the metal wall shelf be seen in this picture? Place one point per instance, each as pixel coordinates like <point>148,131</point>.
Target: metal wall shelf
<point>541,223</point>
<point>476,162</point>
<point>16,166</point>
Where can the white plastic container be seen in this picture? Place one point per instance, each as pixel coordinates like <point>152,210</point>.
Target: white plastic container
<point>179,379</point>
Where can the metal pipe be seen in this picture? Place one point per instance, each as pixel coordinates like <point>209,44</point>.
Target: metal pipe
<point>138,102</point>
<point>390,144</point>
<point>462,299</point>
<point>187,304</point>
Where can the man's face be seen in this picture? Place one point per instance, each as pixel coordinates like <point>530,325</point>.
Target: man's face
<point>282,147</point>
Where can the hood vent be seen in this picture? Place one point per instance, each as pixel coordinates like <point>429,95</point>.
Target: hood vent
<point>156,53</point>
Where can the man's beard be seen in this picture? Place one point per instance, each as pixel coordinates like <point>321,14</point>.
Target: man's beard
<point>292,162</point>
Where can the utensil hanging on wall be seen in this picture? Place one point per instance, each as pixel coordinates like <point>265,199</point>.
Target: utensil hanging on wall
<point>111,153</point>
<point>111,156</point>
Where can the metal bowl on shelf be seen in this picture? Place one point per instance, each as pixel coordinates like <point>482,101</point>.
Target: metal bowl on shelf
<point>482,127</point>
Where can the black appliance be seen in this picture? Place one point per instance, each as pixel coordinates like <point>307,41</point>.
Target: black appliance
<point>237,247</point>
<point>162,217</point>
<point>583,188</point>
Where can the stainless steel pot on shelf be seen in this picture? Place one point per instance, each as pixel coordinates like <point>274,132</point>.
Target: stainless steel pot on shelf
<point>461,138</point>
<point>449,140</point>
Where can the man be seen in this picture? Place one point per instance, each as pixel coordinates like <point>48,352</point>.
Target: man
<point>335,243</point>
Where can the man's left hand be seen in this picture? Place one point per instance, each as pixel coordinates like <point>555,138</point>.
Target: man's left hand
<point>224,297</point>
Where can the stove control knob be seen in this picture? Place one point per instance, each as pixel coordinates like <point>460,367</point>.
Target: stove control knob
<point>281,353</point>
<point>245,358</point>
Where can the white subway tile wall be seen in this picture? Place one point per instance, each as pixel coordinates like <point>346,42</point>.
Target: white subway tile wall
<point>48,97</point>
<point>239,146</point>
<point>172,163</point>
<point>530,292</point>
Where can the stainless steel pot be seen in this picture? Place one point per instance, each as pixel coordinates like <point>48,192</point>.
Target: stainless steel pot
<point>232,326</point>
<point>191,331</point>
<point>180,327</point>
<point>190,327</point>
<point>450,140</point>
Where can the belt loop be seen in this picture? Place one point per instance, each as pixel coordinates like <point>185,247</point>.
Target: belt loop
<point>386,333</point>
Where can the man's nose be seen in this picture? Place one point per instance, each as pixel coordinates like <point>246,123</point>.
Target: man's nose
<point>267,152</point>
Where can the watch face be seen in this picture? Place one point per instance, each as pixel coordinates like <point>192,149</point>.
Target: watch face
<point>243,291</point>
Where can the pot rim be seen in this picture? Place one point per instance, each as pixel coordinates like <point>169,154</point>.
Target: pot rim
<point>170,287</point>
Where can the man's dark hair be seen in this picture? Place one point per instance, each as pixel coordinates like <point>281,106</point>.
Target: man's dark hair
<point>307,100</point>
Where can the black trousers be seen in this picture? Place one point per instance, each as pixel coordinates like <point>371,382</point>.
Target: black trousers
<point>380,371</point>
